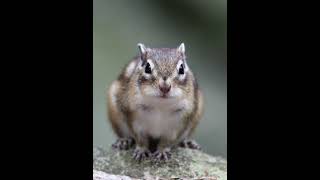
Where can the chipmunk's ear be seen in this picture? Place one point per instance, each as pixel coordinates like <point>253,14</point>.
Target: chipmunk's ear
<point>181,48</point>
<point>143,51</point>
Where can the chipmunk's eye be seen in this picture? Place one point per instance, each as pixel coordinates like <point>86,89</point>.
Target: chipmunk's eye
<point>148,69</point>
<point>181,69</point>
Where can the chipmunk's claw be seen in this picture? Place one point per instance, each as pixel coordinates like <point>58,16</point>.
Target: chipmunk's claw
<point>123,143</point>
<point>140,154</point>
<point>162,155</point>
<point>188,143</point>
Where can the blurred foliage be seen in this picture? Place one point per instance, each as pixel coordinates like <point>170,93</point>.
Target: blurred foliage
<point>118,25</point>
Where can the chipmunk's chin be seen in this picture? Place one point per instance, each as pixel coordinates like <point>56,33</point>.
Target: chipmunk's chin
<point>164,96</point>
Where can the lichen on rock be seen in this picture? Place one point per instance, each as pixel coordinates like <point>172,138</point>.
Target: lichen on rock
<point>184,164</point>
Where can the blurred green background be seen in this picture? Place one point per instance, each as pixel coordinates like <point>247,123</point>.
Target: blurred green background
<point>118,25</point>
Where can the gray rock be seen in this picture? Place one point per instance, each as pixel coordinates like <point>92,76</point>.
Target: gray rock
<point>184,164</point>
<point>99,175</point>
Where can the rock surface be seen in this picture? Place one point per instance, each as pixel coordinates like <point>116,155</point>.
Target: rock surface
<point>184,164</point>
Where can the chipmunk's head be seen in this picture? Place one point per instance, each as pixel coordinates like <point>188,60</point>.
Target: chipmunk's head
<point>164,72</point>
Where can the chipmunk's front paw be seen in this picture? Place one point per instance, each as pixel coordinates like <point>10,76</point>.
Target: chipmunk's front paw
<point>162,155</point>
<point>140,153</point>
<point>188,143</point>
<point>123,143</point>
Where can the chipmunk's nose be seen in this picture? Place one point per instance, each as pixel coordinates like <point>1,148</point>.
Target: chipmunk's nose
<point>165,88</point>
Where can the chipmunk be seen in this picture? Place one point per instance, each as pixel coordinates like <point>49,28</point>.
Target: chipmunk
<point>155,103</point>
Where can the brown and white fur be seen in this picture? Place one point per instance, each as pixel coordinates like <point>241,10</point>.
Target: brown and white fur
<point>158,108</point>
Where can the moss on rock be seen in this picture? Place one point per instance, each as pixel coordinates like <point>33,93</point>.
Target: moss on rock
<point>184,164</point>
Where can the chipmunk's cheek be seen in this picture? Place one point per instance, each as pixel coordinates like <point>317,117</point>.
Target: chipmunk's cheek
<point>149,91</point>
<point>175,92</point>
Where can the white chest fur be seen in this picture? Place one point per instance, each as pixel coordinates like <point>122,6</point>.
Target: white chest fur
<point>159,117</point>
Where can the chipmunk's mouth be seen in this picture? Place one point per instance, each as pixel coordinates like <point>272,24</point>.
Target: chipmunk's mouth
<point>165,96</point>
